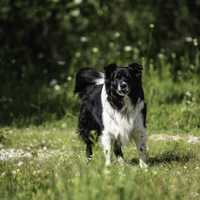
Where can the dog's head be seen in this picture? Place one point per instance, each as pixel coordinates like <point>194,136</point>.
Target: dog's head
<point>121,81</point>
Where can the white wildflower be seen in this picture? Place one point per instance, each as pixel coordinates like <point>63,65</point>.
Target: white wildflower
<point>160,55</point>
<point>173,55</point>
<point>151,26</point>
<point>75,13</point>
<point>69,78</point>
<point>45,148</point>
<point>61,62</point>
<point>194,194</point>
<point>95,50</point>
<point>127,48</point>
<point>14,172</point>
<point>188,39</point>
<point>34,172</point>
<point>155,172</point>
<point>56,87</point>
<point>3,174</point>
<point>78,54</point>
<point>20,163</point>
<point>111,44</point>
<point>53,82</point>
<point>83,39</point>
<point>188,93</point>
<point>195,42</point>
<point>117,35</point>
<point>77,1</point>
<point>64,125</point>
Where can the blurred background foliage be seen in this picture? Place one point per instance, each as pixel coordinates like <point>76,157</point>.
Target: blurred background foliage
<point>44,43</point>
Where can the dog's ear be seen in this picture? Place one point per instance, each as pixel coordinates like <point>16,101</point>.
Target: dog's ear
<point>136,68</point>
<point>109,69</point>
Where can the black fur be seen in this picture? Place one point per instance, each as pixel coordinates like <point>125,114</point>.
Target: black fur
<point>130,74</point>
<point>90,117</point>
<point>85,78</point>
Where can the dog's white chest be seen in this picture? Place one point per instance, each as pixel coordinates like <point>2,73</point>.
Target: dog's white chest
<point>120,124</point>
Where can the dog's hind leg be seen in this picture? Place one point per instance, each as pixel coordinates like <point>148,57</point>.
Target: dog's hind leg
<point>140,141</point>
<point>118,151</point>
<point>106,145</point>
<point>89,151</point>
<point>85,135</point>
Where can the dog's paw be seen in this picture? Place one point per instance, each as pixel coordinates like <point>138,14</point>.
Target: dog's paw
<point>142,164</point>
<point>121,161</point>
<point>107,163</point>
<point>88,160</point>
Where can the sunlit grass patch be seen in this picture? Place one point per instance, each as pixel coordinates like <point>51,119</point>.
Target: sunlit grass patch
<point>173,170</point>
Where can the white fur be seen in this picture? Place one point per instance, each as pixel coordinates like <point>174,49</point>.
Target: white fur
<point>122,126</point>
<point>100,81</point>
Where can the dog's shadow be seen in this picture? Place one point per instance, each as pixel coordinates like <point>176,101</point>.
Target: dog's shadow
<point>166,158</point>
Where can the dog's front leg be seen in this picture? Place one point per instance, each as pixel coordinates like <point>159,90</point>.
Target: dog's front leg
<point>106,145</point>
<point>140,141</point>
<point>118,152</point>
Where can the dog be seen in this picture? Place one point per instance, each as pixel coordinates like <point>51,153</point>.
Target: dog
<point>112,104</point>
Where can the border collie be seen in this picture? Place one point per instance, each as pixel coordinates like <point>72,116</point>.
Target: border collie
<point>112,105</point>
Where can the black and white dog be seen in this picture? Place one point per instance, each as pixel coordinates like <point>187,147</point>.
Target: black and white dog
<point>112,105</point>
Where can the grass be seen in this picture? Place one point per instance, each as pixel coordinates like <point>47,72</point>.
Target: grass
<point>57,168</point>
<point>173,171</point>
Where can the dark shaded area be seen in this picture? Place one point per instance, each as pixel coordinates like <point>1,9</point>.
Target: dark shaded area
<point>169,157</point>
<point>166,158</point>
<point>43,43</point>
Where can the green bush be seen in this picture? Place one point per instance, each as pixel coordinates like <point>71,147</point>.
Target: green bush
<point>48,40</point>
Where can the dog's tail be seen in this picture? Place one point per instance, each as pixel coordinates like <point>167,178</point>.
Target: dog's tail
<point>87,77</point>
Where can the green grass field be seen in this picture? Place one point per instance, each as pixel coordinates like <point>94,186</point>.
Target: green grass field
<point>44,44</point>
<point>53,166</point>
<point>48,161</point>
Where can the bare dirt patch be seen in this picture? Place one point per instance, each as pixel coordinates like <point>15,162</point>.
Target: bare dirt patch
<point>41,154</point>
<point>185,138</point>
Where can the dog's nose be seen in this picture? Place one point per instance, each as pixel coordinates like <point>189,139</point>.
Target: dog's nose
<point>124,85</point>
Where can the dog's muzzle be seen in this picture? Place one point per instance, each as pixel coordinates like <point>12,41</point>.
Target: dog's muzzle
<point>123,88</point>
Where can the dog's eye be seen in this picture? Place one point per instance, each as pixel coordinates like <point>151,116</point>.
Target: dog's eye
<point>118,76</point>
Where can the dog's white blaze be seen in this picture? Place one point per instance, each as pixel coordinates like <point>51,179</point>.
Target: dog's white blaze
<point>120,124</point>
<point>100,81</point>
